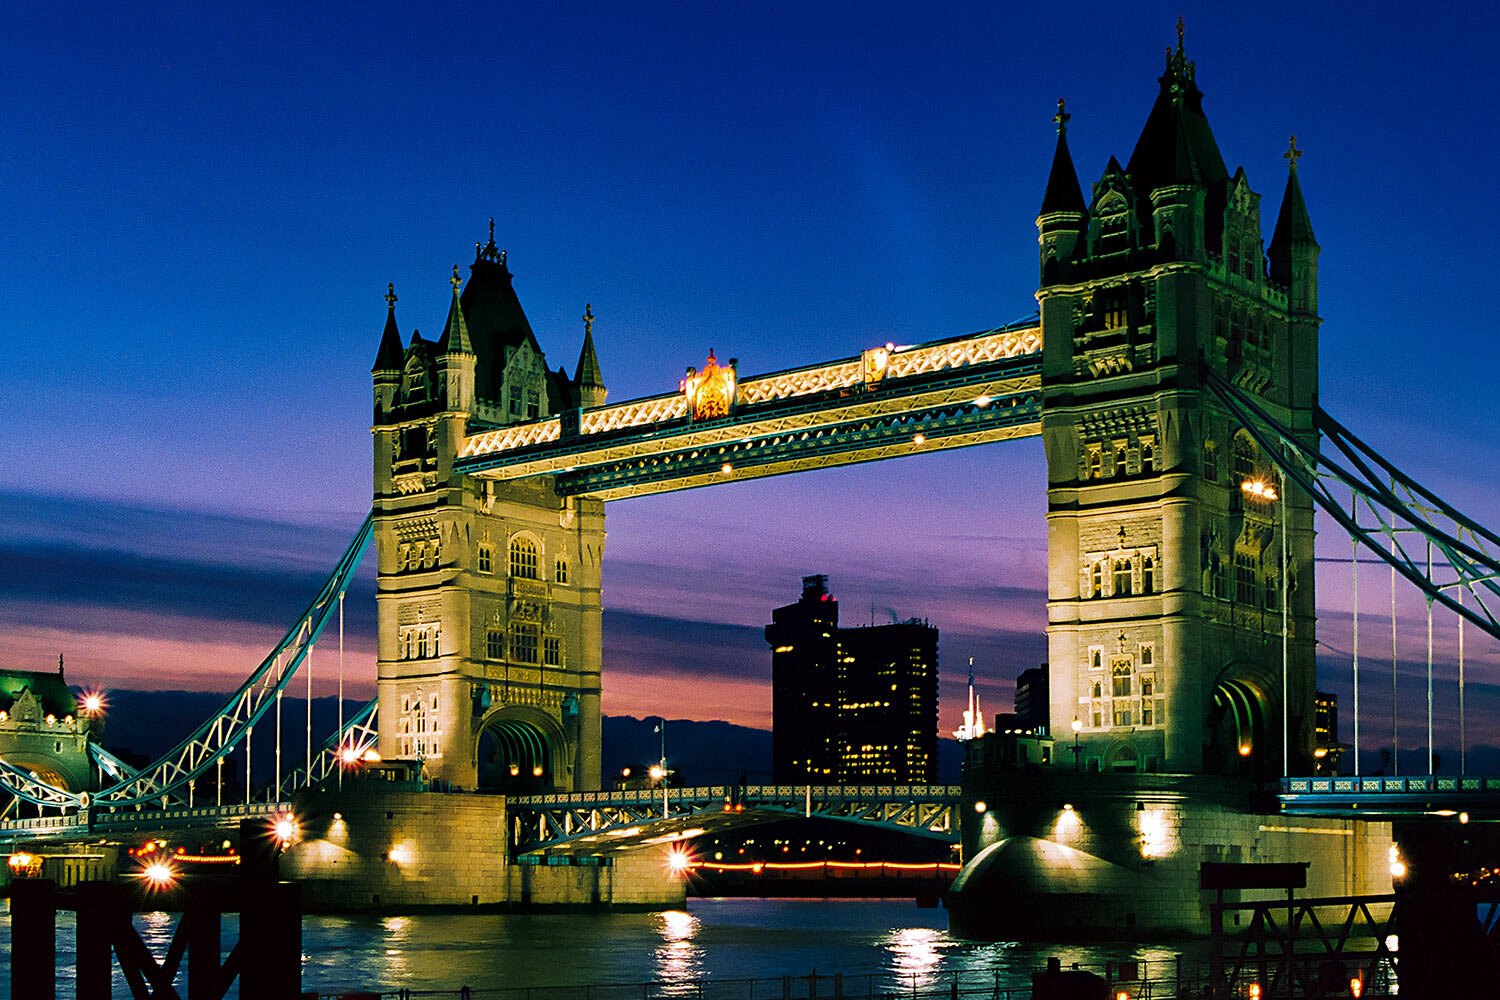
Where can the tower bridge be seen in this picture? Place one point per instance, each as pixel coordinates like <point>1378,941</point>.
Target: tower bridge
<point>1171,373</point>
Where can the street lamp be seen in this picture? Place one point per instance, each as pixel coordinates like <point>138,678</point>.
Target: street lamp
<point>660,771</point>
<point>1267,491</point>
<point>1076,727</point>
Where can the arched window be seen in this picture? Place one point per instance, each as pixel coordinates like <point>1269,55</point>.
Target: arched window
<point>1246,457</point>
<point>1122,577</point>
<point>1121,674</point>
<point>560,571</point>
<point>495,644</point>
<point>1098,587</point>
<point>523,557</point>
<point>486,560</point>
<point>1098,661</point>
<point>1120,464</point>
<point>1148,575</point>
<point>1096,464</point>
<point>1148,457</point>
<point>1098,690</point>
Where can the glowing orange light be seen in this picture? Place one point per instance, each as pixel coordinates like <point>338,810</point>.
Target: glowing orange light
<point>536,772</point>
<point>20,861</point>
<point>658,772</point>
<point>349,756</point>
<point>515,769</point>
<point>678,860</point>
<point>710,393</point>
<point>159,875</point>
<point>1244,749</point>
<point>1356,987</point>
<point>919,439</point>
<point>285,829</point>
<point>93,703</point>
<point>1254,991</point>
<point>1259,488</point>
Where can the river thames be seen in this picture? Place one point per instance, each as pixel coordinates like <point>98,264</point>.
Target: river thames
<point>713,939</point>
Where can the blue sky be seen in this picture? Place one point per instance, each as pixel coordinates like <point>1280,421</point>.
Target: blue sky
<point>202,210</point>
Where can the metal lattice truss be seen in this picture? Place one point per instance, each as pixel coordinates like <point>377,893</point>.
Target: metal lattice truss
<point>167,778</point>
<point>949,394</point>
<point>608,822</point>
<point>1451,558</point>
<point>341,749</point>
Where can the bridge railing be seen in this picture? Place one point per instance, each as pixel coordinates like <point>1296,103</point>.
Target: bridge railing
<point>1383,785</point>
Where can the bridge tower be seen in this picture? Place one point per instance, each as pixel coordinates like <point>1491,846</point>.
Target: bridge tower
<point>488,600</point>
<point>1165,536</point>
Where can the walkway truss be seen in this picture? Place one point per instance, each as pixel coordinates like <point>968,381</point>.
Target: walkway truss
<point>1452,559</point>
<point>605,822</point>
<point>167,782</point>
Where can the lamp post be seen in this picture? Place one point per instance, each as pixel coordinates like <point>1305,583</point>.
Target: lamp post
<point>1268,491</point>
<point>659,772</point>
<point>1076,727</point>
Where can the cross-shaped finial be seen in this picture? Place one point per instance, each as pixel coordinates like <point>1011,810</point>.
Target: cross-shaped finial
<point>1062,116</point>
<point>455,281</point>
<point>390,295</point>
<point>1122,642</point>
<point>588,319</point>
<point>1293,154</point>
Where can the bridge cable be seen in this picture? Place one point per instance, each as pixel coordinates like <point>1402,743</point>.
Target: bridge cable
<point>1395,703</point>
<point>1355,587</point>
<point>1430,768</point>
<point>276,772</point>
<point>1462,744</point>
<point>340,729</point>
<point>310,650</point>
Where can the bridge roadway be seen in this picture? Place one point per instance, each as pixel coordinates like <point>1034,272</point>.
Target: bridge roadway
<point>609,822</point>
<point>592,823</point>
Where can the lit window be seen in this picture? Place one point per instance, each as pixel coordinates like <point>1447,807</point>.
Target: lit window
<point>1098,583</point>
<point>523,558</point>
<point>1245,458</point>
<point>486,558</point>
<point>1122,717</point>
<point>1148,457</point>
<point>1122,578</point>
<point>1121,673</point>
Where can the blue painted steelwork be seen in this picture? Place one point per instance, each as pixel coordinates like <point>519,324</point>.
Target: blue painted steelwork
<point>594,822</point>
<point>168,778</point>
<point>1403,511</point>
<point>1435,796</point>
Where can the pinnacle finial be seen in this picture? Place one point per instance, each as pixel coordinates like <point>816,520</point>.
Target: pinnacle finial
<point>1179,32</point>
<point>390,296</point>
<point>1062,117</point>
<point>455,281</point>
<point>588,319</point>
<point>492,229</point>
<point>1293,154</point>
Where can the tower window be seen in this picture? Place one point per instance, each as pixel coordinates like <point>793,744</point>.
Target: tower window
<point>523,558</point>
<point>1098,582</point>
<point>1122,578</point>
<point>1244,578</point>
<point>1245,459</point>
<point>1148,687</point>
<point>523,643</point>
<point>1097,660</point>
<point>1148,457</point>
<point>1148,575</point>
<point>486,560</point>
<point>1096,464</point>
<point>1148,654</point>
<point>495,644</point>
<point>533,404</point>
<point>1120,687</point>
<point>560,571</point>
<point>552,651</point>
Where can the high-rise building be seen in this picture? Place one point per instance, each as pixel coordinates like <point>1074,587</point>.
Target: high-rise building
<point>1032,705</point>
<point>850,705</point>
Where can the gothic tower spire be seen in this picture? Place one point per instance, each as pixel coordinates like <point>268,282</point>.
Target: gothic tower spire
<point>588,381</point>
<point>388,357</point>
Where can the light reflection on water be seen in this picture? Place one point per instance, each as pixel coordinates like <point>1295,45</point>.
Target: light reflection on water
<point>889,941</point>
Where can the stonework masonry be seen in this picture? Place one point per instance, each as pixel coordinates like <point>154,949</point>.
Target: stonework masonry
<point>368,849</point>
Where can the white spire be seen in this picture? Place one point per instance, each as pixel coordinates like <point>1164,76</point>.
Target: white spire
<point>973,726</point>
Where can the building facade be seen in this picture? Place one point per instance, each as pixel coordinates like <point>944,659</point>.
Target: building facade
<point>488,598</point>
<point>850,705</point>
<point>1166,524</point>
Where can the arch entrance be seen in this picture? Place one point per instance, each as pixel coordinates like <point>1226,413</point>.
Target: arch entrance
<point>1239,737</point>
<point>515,757</point>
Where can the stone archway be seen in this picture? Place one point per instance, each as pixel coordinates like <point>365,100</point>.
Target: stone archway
<point>520,751</point>
<point>1240,733</point>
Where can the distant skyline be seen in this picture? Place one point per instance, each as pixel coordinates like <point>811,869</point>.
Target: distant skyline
<point>203,210</point>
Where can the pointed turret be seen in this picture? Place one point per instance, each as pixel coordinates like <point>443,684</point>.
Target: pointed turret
<point>1063,214</point>
<point>388,357</point>
<point>1176,145</point>
<point>1064,194</point>
<point>1293,227</point>
<point>588,381</point>
<point>455,339</point>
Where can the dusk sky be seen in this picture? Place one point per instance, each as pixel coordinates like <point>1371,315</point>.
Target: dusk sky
<point>201,215</point>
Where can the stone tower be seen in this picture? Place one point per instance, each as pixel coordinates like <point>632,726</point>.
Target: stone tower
<point>1165,575</point>
<point>488,600</point>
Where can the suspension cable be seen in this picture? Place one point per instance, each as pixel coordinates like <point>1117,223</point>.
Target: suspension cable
<point>310,650</point>
<point>1430,768</point>
<point>1462,743</point>
<point>1395,738</point>
<point>340,729</point>
<point>1355,587</point>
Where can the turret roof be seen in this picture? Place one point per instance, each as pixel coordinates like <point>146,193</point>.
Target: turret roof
<point>1064,194</point>
<point>388,357</point>
<point>494,316</point>
<point>455,338</point>
<point>1176,145</point>
<point>587,375</point>
<point>1293,226</point>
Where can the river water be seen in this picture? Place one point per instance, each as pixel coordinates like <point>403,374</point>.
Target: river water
<point>712,939</point>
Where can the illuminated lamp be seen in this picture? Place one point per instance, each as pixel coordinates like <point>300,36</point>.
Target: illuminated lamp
<point>625,772</point>
<point>726,468</point>
<point>982,401</point>
<point>349,756</point>
<point>93,703</point>
<point>919,439</point>
<point>678,860</point>
<point>658,772</point>
<point>536,772</point>
<point>980,806</point>
<point>515,769</point>
<point>1244,749</point>
<point>285,829</point>
<point>1356,987</point>
<point>1463,817</point>
<point>159,875</point>
<point>710,393</point>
